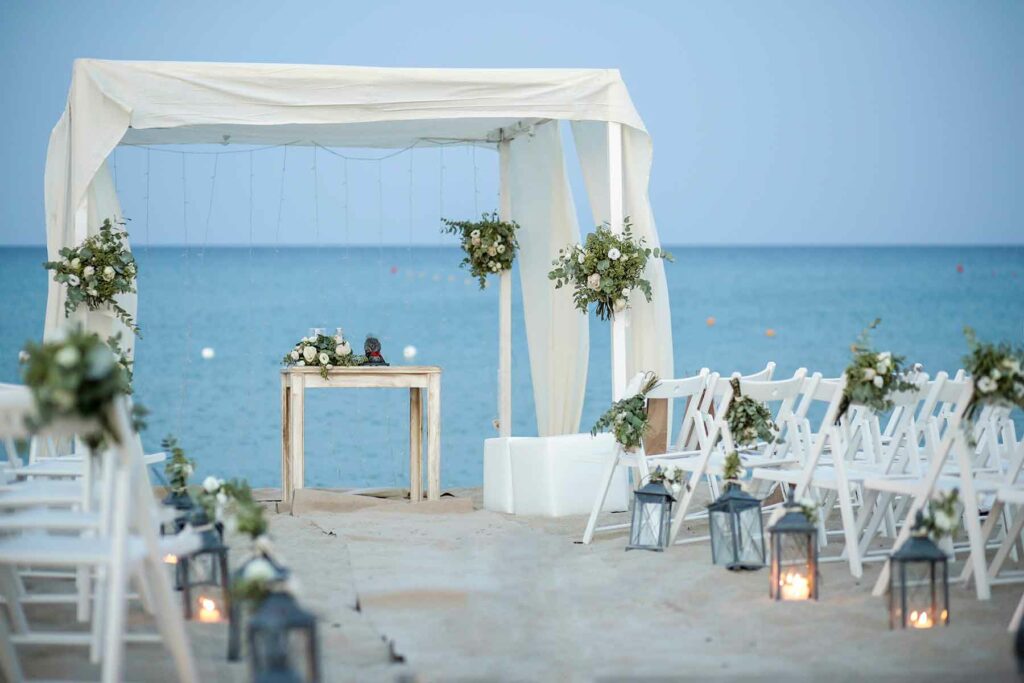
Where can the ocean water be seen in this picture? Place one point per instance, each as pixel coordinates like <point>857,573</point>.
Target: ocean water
<point>251,305</point>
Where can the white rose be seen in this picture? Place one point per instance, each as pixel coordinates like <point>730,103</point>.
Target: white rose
<point>301,364</point>
<point>88,272</point>
<point>187,470</point>
<point>501,248</point>
<point>943,521</point>
<point>92,292</point>
<point>67,356</point>
<point>108,273</point>
<point>878,381</point>
<point>211,484</point>
<point>323,358</point>
<point>995,374</point>
<point>222,498</point>
<point>594,281</point>
<point>295,355</point>
<point>625,292</point>
<point>475,241</point>
<point>343,349</point>
<point>475,233</point>
<point>491,251</point>
<point>620,305</point>
<point>73,280</point>
<point>259,569</point>
<point>309,353</point>
<point>869,374</point>
<point>76,263</point>
<point>580,258</point>
<point>987,385</point>
<point>614,254</point>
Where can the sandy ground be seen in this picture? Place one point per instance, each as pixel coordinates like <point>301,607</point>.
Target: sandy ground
<point>472,595</point>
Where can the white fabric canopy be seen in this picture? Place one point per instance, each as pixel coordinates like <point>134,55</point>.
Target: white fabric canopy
<point>112,103</point>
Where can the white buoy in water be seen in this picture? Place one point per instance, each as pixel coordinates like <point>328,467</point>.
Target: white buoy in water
<point>409,352</point>
<point>207,353</point>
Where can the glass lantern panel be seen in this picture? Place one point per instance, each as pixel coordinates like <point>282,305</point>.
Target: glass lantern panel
<point>792,567</point>
<point>751,537</point>
<point>648,520</point>
<point>204,570</point>
<point>722,541</point>
<point>919,595</point>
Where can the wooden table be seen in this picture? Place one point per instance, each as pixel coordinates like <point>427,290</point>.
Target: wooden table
<point>295,381</point>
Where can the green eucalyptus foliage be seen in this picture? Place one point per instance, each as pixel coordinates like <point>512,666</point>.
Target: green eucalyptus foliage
<point>96,271</point>
<point>76,377</point>
<point>872,377</point>
<point>490,244</point>
<point>996,371</point>
<point>179,467</point>
<point>627,418</point>
<point>749,421</point>
<point>605,269</point>
<point>732,468</point>
<point>324,352</point>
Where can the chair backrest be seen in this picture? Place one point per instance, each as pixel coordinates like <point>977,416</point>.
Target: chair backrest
<point>784,393</point>
<point>689,389</point>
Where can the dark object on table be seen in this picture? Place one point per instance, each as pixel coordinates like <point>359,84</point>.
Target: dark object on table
<point>372,350</point>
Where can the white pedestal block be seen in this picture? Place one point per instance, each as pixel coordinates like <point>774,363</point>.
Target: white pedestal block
<point>550,476</point>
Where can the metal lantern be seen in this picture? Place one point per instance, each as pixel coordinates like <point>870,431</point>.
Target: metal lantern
<point>183,506</point>
<point>241,609</point>
<point>205,567</point>
<point>794,547</point>
<point>918,582</point>
<point>283,642</point>
<point>737,534</point>
<point>652,517</point>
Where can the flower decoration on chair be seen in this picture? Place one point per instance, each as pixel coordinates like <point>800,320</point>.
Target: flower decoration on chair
<point>872,377</point>
<point>997,373</point>
<point>627,418</point>
<point>605,269</point>
<point>749,421</point>
<point>97,271</point>
<point>942,516</point>
<point>75,376</point>
<point>324,352</point>
<point>673,478</point>
<point>490,244</point>
<point>179,467</point>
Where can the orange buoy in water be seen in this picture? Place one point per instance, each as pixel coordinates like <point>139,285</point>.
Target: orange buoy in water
<point>959,267</point>
<point>769,332</point>
<point>710,321</point>
<point>394,269</point>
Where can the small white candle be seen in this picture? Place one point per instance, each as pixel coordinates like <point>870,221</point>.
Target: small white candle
<point>795,587</point>
<point>208,611</point>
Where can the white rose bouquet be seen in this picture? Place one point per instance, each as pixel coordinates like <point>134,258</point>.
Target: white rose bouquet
<point>96,271</point>
<point>605,269</point>
<point>324,352</point>
<point>490,244</point>
<point>872,377</point>
<point>996,370</point>
<point>942,516</point>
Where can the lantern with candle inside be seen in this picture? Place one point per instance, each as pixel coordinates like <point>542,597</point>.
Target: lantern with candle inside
<point>737,534</point>
<point>918,582</point>
<point>250,584</point>
<point>794,548</point>
<point>652,516</point>
<point>283,641</point>
<point>203,574</point>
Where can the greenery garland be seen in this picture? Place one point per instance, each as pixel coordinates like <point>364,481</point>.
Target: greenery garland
<point>627,418</point>
<point>996,371</point>
<point>605,269</point>
<point>324,352</point>
<point>75,376</point>
<point>490,244</point>
<point>96,271</point>
<point>872,377</point>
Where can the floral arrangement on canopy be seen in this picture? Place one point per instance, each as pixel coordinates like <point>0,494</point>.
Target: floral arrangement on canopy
<point>996,370</point>
<point>872,377</point>
<point>324,352</point>
<point>96,271</point>
<point>627,418</point>
<point>605,269</point>
<point>75,376</point>
<point>490,244</point>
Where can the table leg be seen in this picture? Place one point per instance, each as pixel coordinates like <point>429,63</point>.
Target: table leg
<point>296,428</point>
<point>434,437</point>
<point>286,456</point>
<point>415,445</point>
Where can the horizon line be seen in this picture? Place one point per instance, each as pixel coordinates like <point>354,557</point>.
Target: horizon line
<point>668,245</point>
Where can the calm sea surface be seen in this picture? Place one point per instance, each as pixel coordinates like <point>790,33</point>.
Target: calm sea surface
<point>250,306</point>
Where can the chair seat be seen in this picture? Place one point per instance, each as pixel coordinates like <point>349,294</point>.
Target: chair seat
<point>40,492</point>
<point>1011,494</point>
<point>49,518</point>
<point>64,551</point>
<point>912,486</point>
<point>70,466</point>
<point>689,461</point>
<point>824,476</point>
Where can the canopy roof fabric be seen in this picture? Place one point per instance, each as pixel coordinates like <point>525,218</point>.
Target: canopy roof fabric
<point>131,103</point>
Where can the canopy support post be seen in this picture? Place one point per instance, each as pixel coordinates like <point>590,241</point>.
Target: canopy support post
<point>504,307</point>
<point>620,320</point>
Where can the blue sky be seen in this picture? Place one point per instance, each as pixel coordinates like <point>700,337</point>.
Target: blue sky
<point>773,122</point>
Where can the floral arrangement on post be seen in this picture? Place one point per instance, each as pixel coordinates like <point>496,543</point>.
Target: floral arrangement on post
<point>941,519</point>
<point>96,271</point>
<point>627,418</point>
<point>323,352</point>
<point>996,369</point>
<point>490,244</point>
<point>74,376</point>
<point>178,467</point>
<point>605,269</point>
<point>872,377</point>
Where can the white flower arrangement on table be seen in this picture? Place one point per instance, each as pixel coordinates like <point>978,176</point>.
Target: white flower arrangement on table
<point>324,352</point>
<point>941,517</point>
<point>605,269</point>
<point>872,377</point>
<point>627,418</point>
<point>96,271</point>
<point>997,374</point>
<point>490,244</point>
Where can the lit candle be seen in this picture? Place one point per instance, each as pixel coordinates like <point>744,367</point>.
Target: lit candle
<point>921,619</point>
<point>208,612</point>
<point>795,587</point>
<point>170,559</point>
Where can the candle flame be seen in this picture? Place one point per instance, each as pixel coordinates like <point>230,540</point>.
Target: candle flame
<point>170,559</point>
<point>208,611</point>
<point>794,586</point>
<point>923,619</point>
